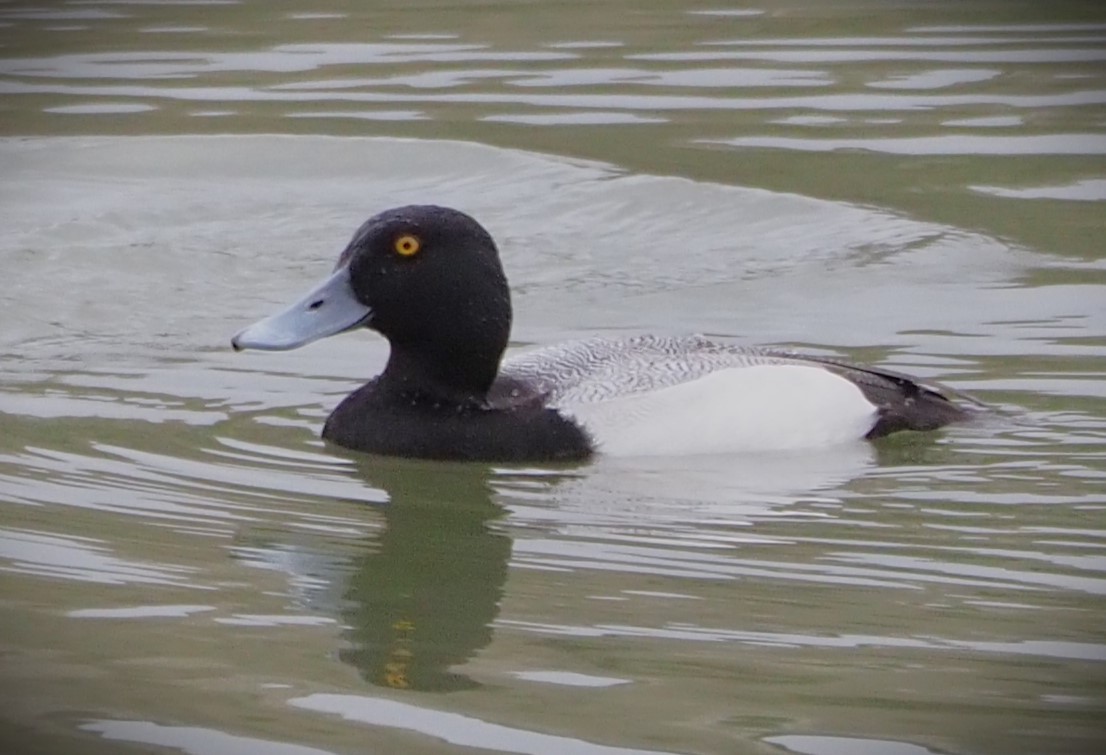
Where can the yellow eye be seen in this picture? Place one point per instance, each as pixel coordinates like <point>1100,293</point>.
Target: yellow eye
<point>408,245</point>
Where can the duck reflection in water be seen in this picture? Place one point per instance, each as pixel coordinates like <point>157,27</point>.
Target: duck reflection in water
<point>422,602</point>
<point>424,594</point>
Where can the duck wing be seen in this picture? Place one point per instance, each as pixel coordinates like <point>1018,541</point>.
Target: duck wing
<point>903,402</point>
<point>602,369</point>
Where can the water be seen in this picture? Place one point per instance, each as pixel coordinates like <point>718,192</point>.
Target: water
<point>187,568</point>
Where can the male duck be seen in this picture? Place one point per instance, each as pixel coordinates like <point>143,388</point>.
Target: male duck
<point>429,280</point>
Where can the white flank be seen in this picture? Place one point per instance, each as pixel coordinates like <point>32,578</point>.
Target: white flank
<point>760,408</point>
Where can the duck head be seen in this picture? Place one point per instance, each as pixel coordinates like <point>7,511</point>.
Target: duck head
<point>426,278</point>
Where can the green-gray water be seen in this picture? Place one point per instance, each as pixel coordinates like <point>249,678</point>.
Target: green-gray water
<point>186,568</point>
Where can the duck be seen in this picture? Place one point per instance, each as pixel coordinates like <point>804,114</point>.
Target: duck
<point>429,279</point>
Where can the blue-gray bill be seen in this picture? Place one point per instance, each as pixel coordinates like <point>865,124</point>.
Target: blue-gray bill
<point>329,308</point>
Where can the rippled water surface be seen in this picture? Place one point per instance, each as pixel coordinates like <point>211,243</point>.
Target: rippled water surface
<point>186,568</point>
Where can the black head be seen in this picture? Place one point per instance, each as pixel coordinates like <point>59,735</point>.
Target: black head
<point>433,280</point>
<point>429,280</point>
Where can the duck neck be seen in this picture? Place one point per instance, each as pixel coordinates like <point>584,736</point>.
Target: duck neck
<point>457,374</point>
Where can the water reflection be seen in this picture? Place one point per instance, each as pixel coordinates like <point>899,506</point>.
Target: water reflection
<point>821,745</point>
<point>193,740</point>
<point>80,559</point>
<point>454,728</point>
<point>424,594</point>
<point>423,599</point>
